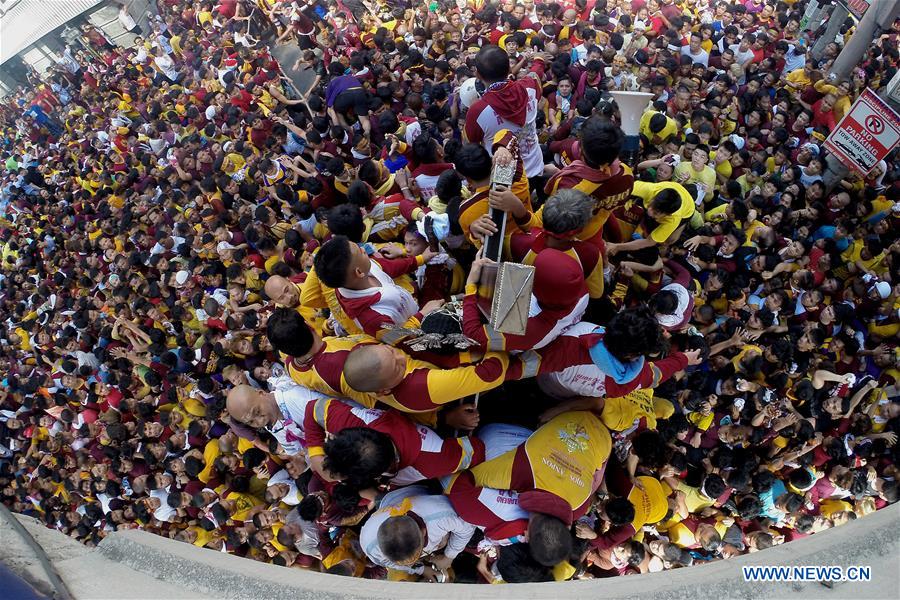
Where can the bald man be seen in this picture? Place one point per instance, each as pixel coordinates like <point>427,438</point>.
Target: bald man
<point>415,386</point>
<point>283,291</point>
<point>316,295</point>
<point>280,412</point>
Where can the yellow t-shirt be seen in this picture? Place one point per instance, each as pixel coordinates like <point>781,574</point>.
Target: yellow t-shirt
<point>563,455</point>
<point>724,169</point>
<point>669,130</point>
<point>854,253</point>
<point>620,413</point>
<point>829,507</point>
<point>651,503</point>
<point>694,500</point>
<point>799,77</point>
<point>25,339</point>
<point>210,453</point>
<point>667,225</point>
<point>243,503</point>
<point>203,537</point>
<point>706,175</point>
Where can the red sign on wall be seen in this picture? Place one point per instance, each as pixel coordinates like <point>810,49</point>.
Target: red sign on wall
<point>866,134</point>
<point>857,7</point>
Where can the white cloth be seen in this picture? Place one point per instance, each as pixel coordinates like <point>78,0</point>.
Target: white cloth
<point>293,497</point>
<point>562,325</point>
<point>580,380</point>
<point>441,522</point>
<point>308,543</point>
<point>794,58</point>
<point>500,438</point>
<point>164,513</point>
<point>684,301</point>
<point>125,19</point>
<point>292,401</point>
<point>702,57</point>
<point>86,359</point>
<point>140,57</point>
<point>395,303</point>
<point>483,122</point>
<point>741,57</point>
<point>167,66</point>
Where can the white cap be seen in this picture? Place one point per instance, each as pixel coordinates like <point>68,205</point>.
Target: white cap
<point>181,277</point>
<point>467,92</point>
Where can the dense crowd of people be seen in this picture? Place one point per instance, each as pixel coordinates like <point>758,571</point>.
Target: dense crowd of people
<point>249,317</point>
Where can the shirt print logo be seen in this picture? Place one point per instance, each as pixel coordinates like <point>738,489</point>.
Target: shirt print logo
<point>574,437</point>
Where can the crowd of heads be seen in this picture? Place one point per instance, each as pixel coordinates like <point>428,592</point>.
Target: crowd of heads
<point>251,317</point>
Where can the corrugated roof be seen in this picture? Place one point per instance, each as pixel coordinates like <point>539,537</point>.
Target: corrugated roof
<point>26,21</point>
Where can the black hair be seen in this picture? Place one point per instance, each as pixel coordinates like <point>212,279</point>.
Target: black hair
<point>193,465</point>
<point>399,538</point>
<point>333,260</point>
<point>620,511</point>
<point>601,141</point>
<point>637,553</point>
<point>474,162</point>
<point>424,148</point>
<point>763,481</point>
<point>359,194</point>
<point>310,508</point>
<point>347,220</point>
<point>667,201</point>
<point>516,565</point>
<point>492,63</point>
<point>253,457</point>
<point>633,332</point>
<point>793,503</point>
<point>658,122</point>
<point>713,485</point>
<point>650,448</point>
<point>359,455</point>
<point>549,539</point>
<point>663,302</point>
<point>800,478</point>
<point>288,332</point>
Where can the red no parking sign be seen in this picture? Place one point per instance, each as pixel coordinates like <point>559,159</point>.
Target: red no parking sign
<point>866,134</point>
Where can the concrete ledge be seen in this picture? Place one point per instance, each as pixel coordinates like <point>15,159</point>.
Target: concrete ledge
<point>872,541</point>
<point>85,572</point>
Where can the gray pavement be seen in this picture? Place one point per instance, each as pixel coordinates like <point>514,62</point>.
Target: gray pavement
<point>287,55</point>
<point>136,564</point>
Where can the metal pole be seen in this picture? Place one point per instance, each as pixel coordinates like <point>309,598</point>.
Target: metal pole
<point>879,14</point>
<point>811,18</point>
<point>837,17</point>
<point>835,170</point>
<point>61,592</point>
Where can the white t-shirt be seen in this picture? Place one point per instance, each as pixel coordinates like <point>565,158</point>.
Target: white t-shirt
<point>794,58</point>
<point>741,57</point>
<point>483,122</point>
<point>292,401</point>
<point>581,380</point>
<point>293,497</point>
<point>702,57</point>
<point>164,513</point>
<point>394,302</point>
<point>441,522</point>
<point>125,19</point>
<point>166,65</point>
